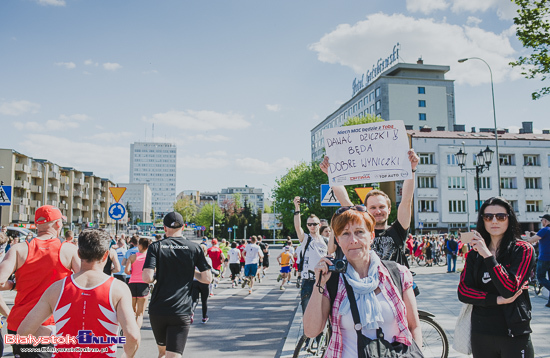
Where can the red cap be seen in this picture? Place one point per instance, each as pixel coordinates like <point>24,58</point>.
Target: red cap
<point>214,241</point>
<point>47,213</point>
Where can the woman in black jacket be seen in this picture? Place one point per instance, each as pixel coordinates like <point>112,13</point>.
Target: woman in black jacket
<point>494,280</point>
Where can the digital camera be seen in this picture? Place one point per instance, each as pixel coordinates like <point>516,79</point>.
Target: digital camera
<point>338,266</point>
<point>303,201</point>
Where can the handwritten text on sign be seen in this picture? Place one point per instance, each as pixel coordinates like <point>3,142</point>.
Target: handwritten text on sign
<point>368,153</point>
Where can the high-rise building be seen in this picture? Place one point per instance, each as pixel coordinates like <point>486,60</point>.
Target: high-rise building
<point>138,199</point>
<point>155,164</point>
<point>418,94</point>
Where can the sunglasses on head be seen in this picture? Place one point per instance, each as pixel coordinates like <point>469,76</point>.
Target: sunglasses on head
<point>361,208</point>
<point>499,216</point>
<point>312,224</point>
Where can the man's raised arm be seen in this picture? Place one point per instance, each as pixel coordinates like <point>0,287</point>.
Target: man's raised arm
<point>297,220</point>
<point>405,208</point>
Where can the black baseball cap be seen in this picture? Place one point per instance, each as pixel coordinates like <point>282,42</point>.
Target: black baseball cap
<point>545,216</point>
<point>173,220</point>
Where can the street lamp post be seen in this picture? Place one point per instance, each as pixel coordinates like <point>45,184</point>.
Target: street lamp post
<point>494,116</point>
<point>483,160</point>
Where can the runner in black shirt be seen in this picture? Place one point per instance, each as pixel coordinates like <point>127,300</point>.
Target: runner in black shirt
<point>174,259</point>
<point>389,242</point>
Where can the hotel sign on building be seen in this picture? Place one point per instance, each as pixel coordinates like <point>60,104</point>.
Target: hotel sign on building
<point>381,65</point>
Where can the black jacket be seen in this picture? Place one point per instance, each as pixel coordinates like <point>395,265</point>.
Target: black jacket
<point>505,279</point>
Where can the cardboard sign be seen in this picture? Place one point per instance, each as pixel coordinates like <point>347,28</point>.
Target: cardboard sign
<point>368,153</point>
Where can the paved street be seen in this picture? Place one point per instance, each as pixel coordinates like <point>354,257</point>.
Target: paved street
<point>268,322</point>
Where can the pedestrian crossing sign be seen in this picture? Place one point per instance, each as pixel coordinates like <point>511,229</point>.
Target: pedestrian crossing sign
<point>327,196</point>
<point>5,195</point>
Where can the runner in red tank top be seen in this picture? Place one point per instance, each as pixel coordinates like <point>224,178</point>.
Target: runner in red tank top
<point>88,305</point>
<point>37,265</point>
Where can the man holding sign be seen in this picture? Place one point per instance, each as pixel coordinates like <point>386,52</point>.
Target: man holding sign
<point>389,242</point>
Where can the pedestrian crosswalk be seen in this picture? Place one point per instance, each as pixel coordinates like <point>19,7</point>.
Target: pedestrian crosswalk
<point>290,294</point>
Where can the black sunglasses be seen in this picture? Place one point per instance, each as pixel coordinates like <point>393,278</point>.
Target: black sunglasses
<point>342,209</point>
<point>499,216</point>
<point>312,224</point>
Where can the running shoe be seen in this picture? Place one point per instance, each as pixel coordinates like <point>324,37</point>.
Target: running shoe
<point>259,280</point>
<point>205,319</point>
<point>249,292</point>
<point>243,283</point>
<point>282,288</point>
<point>211,294</point>
<point>233,285</point>
<point>215,285</point>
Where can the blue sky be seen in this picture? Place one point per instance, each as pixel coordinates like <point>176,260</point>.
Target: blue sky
<point>237,85</point>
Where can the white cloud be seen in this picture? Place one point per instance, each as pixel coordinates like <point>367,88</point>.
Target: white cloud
<point>208,138</point>
<point>437,42</point>
<point>208,161</point>
<point>273,107</point>
<point>257,166</point>
<point>473,21</point>
<point>76,117</point>
<point>103,160</point>
<point>91,63</point>
<point>67,65</point>
<point>52,2</point>
<point>506,9</point>
<point>17,108</point>
<point>111,136</point>
<point>110,66</point>
<point>199,120</point>
<point>426,6</point>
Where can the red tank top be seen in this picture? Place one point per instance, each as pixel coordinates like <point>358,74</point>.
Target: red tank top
<point>41,268</point>
<point>86,309</point>
<point>215,254</point>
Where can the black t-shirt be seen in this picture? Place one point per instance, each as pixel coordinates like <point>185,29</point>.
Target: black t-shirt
<point>389,244</point>
<point>174,259</point>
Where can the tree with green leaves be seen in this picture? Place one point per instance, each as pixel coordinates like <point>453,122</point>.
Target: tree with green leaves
<point>204,216</point>
<point>533,30</point>
<point>186,207</point>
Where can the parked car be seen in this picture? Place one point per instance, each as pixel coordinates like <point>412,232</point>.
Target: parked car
<point>19,232</point>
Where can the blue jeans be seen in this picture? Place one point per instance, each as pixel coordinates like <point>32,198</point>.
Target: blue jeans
<point>543,267</point>
<point>449,259</point>
<point>305,292</point>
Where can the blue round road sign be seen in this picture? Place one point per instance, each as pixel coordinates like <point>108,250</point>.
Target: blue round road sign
<point>117,211</point>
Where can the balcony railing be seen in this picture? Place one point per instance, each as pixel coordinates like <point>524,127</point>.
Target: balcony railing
<point>22,168</point>
<point>53,189</point>
<point>53,175</point>
<point>36,203</point>
<point>36,174</point>
<point>23,184</point>
<point>36,189</point>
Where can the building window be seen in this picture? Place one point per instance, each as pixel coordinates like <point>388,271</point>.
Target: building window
<point>508,183</point>
<point>378,105</point>
<point>451,159</point>
<point>456,182</point>
<point>426,158</point>
<point>533,183</point>
<point>354,108</point>
<point>485,183</point>
<point>421,90</point>
<point>531,160</point>
<point>514,204</point>
<point>507,159</point>
<point>457,206</point>
<point>533,206</point>
<point>421,103</point>
<point>371,96</point>
<point>426,182</point>
<point>426,206</point>
<point>359,104</point>
<point>366,100</point>
<point>371,108</point>
<point>349,112</point>
<point>377,91</point>
<point>421,116</point>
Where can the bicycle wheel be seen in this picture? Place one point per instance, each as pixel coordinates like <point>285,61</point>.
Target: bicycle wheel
<point>434,339</point>
<point>442,260</point>
<point>420,260</point>
<point>312,347</point>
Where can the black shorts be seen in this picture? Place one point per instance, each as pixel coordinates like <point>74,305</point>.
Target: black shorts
<point>139,289</point>
<point>241,264</point>
<point>17,349</point>
<point>266,261</point>
<point>171,331</point>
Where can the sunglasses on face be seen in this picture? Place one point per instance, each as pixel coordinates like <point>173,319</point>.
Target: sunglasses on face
<point>312,224</point>
<point>499,216</point>
<point>361,208</point>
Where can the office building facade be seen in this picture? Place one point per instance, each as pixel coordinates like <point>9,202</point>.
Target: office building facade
<point>253,196</point>
<point>139,200</point>
<point>154,164</point>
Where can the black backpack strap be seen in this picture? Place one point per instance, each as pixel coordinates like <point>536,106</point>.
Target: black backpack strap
<point>395,275</point>
<point>332,288</point>
<point>303,253</point>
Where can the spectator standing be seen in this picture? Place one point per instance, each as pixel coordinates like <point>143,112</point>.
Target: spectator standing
<point>452,252</point>
<point>543,263</point>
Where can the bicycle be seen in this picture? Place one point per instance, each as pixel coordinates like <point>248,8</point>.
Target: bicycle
<point>313,347</point>
<point>435,343</point>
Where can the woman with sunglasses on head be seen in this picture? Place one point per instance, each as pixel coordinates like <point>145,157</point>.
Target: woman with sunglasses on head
<point>380,302</point>
<point>493,281</point>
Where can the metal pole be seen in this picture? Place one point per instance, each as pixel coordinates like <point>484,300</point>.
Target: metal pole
<point>477,180</point>
<point>467,192</point>
<point>213,219</point>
